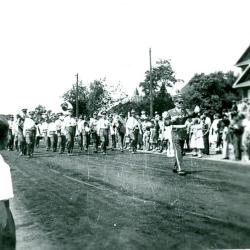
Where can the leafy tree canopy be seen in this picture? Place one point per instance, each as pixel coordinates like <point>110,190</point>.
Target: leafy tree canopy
<point>161,73</point>
<point>212,92</point>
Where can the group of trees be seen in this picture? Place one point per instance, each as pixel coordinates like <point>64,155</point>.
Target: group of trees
<point>212,92</point>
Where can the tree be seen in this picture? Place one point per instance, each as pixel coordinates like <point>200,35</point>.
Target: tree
<point>162,73</point>
<point>212,92</point>
<point>99,98</point>
<point>70,96</point>
<point>163,101</point>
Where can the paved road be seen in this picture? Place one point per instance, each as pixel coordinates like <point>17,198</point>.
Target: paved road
<point>125,201</point>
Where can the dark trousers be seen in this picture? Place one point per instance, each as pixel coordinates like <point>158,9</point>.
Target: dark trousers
<point>178,150</point>
<point>113,140</point>
<point>134,139</point>
<point>104,139</point>
<point>70,135</point>
<point>237,146</point>
<point>94,138</point>
<point>53,141</point>
<point>61,143</point>
<point>30,138</point>
<point>206,144</point>
<point>121,140</point>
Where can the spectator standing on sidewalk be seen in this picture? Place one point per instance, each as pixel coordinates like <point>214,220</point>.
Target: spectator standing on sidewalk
<point>246,134</point>
<point>213,132</point>
<point>7,224</point>
<point>225,139</point>
<point>207,125</point>
<point>237,129</point>
<point>196,142</point>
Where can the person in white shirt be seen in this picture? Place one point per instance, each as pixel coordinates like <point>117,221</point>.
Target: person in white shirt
<point>79,131</point>
<point>103,131</point>
<point>93,131</point>
<point>61,134</point>
<point>7,224</point>
<point>10,133</point>
<point>70,131</point>
<point>44,128</point>
<point>120,125</point>
<point>113,130</point>
<point>29,131</point>
<point>132,130</point>
<point>52,134</point>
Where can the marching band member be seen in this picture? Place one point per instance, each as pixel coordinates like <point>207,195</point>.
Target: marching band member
<point>93,131</point>
<point>176,118</point>
<point>132,130</point>
<point>70,130</point>
<point>103,131</point>
<point>29,131</point>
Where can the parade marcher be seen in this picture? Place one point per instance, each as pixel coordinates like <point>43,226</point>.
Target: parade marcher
<point>79,131</point>
<point>177,117</point>
<point>86,136</point>
<point>20,135</point>
<point>121,130</point>
<point>15,132</point>
<point>52,133</point>
<point>38,133</point>
<point>103,131</point>
<point>140,135</point>
<point>70,130</point>
<point>93,131</point>
<point>61,134</point>
<point>132,130</point>
<point>44,128</point>
<point>29,131</point>
<point>10,144</point>
<point>113,132</point>
<point>7,224</point>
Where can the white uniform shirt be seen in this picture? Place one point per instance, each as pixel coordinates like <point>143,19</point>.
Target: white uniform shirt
<point>58,124</point>
<point>52,127</point>
<point>80,126</point>
<point>131,124</point>
<point>102,124</point>
<point>69,121</point>
<point>44,128</point>
<point>28,124</point>
<point>6,189</point>
<point>93,124</point>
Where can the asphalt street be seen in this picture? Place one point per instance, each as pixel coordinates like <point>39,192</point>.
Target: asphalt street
<point>126,201</point>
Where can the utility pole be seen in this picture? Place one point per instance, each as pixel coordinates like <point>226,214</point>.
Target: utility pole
<point>77,104</point>
<point>150,87</point>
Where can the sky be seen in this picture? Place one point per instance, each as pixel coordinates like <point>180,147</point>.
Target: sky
<point>45,43</point>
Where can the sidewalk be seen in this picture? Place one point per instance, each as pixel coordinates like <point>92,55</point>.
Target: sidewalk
<point>212,157</point>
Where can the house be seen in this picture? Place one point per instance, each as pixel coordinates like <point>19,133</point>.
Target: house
<point>243,81</point>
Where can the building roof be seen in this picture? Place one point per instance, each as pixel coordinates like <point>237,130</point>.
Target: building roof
<point>244,59</point>
<point>244,79</point>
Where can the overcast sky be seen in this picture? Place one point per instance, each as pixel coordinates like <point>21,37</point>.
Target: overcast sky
<point>45,43</point>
